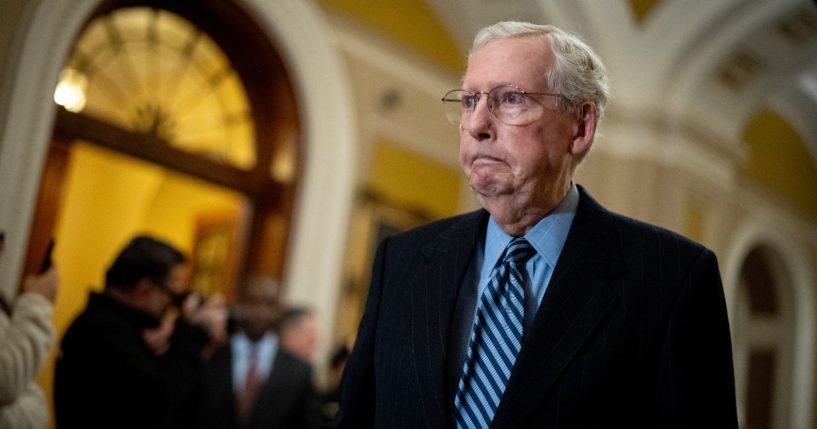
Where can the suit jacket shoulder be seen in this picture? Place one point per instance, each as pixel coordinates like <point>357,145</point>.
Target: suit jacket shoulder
<point>437,235</point>
<point>632,326</point>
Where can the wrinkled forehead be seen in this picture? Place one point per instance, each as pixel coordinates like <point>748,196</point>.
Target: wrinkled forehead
<point>524,61</point>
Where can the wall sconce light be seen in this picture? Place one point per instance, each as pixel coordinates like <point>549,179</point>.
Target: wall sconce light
<point>71,90</point>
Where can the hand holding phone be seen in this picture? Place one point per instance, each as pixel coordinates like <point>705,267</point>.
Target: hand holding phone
<point>45,284</point>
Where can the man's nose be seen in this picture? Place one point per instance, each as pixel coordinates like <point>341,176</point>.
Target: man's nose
<point>480,123</point>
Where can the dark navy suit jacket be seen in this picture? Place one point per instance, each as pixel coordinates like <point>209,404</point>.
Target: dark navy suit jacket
<point>632,332</point>
<point>287,399</point>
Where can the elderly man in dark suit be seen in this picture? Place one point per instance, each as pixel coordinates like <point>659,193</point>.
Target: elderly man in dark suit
<point>252,382</point>
<point>544,309</point>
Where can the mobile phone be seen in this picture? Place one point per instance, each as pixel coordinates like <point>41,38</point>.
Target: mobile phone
<point>46,264</point>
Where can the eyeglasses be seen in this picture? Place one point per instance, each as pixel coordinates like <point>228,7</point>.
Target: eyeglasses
<point>177,298</point>
<point>508,103</point>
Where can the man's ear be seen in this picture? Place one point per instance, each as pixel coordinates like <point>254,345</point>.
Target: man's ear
<point>585,130</point>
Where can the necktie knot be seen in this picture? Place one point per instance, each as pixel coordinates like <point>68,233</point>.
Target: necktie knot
<point>519,250</point>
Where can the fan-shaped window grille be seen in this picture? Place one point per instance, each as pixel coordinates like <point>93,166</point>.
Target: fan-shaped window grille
<point>150,71</point>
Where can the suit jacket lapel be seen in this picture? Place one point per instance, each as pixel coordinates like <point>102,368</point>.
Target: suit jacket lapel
<point>434,297</point>
<point>578,298</point>
<point>275,387</point>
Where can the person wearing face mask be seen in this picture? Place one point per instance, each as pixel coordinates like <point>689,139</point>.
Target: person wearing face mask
<point>127,361</point>
<point>543,309</point>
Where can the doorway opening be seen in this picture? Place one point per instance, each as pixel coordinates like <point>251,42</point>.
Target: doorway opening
<point>176,119</point>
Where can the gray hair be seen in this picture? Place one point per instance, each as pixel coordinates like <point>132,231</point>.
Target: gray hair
<point>293,316</point>
<point>578,73</point>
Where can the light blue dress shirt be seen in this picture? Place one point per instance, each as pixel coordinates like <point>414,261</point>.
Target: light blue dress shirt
<point>547,237</point>
<point>242,349</point>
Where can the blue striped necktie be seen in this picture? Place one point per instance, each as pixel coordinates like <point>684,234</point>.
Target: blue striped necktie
<point>495,339</point>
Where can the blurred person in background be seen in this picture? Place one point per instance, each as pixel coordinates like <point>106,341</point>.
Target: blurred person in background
<point>298,330</point>
<point>26,337</point>
<point>127,361</point>
<point>254,382</point>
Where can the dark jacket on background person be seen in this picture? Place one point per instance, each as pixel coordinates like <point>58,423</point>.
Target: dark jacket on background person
<point>286,400</point>
<point>107,377</point>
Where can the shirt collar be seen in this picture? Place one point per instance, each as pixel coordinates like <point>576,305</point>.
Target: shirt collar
<point>243,346</point>
<point>547,236</point>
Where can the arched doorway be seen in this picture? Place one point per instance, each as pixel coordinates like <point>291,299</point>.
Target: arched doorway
<point>315,256</point>
<point>190,124</point>
<point>764,325</point>
<point>196,89</point>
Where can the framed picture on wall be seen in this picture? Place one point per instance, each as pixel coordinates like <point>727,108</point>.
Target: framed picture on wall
<point>375,218</point>
<point>216,253</point>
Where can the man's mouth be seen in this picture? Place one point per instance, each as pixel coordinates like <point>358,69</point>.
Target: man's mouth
<point>485,161</point>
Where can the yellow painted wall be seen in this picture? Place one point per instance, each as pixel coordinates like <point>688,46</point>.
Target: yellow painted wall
<point>779,161</point>
<point>179,202</point>
<point>695,220</point>
<point>414,180</point>
<point>410,22</point>
<point>107,199</point>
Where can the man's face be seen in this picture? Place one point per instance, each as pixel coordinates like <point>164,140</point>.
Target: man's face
<point>301,338</point>
<point>533,161</point>
<point>259,306</point>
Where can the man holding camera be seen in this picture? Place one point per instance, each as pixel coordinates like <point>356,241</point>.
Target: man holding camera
<point>129,362</point>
